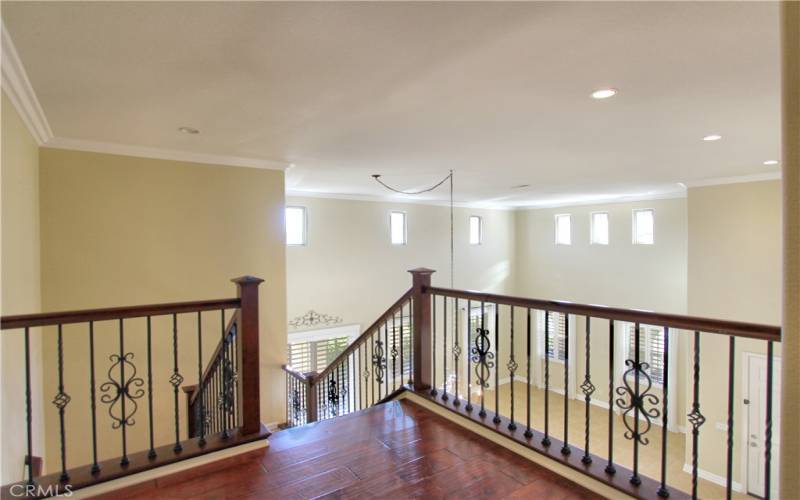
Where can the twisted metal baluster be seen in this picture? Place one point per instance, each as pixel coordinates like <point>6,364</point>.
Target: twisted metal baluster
<point>456,352</point>
<point>201,417</point>
<point>610,469</point>
<point>663,492</point>
<point>635,480</point>
<point>176,379</point>
<point>152,453</point>
<point>588,389</point>
<point>546,439</point>
<point>28,406</point>
<point>445,397</point>
<point>768,429</point>
<point>695,417</point>
<point>565,449</point>
<point>528,431</point>
<point>496,418</point>
<point>469,358</point>
<point>93,393</point>
<point>61,401</point>
<point>124,421</point>
<point>512,369</point>
<point>434,392</point>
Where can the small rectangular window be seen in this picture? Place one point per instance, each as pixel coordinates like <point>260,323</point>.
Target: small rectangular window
<point>643,227</point>
<point>600,228</point>
<point>475,230</point>
<point>397,228</point>
<point>295,225</point>
<point>563,229</point>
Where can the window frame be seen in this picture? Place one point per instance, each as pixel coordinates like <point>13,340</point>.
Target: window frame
<point>480,230</point>
<point>592,230</point>
<point>634,232</point>
<point>405,227</point>
<point>305,225</point>
<point>555,221</point>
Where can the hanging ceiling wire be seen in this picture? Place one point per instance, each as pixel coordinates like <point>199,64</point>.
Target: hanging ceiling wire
<point>449,177</point>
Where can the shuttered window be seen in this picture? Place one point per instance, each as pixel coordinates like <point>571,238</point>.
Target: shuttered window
<point>315,355</point>
<point>651,349</point>
<point>557,338</point>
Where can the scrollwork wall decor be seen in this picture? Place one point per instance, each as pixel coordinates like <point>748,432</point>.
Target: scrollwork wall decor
<point>129,389</point>
<point>313,318</point>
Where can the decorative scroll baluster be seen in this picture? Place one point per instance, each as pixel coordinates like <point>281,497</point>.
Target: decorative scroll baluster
<point>512,369</point>
<point>588,389</point>
<point>386,359</point>
<point>61,401</point>
<point>28,410</point>
<point>434,392</point>
<point>152,453</point>
<point>445,397</point>
<point>456,352</point>
<point>610,469</point>
<point>729,442</point>
<point>378,365</point>
<point>528,431</point>
<point>565,449</point>
<point>93,399</point>
<point>469,358</point>
<point>411,341</point>
<point>176,380</point>
<point>121,394</point>
<point>394,353</point>
<point>695,417</point>
<point>483,358</point>
<point>333,395</point>
<point>663,492</point>
<point>546,439</point>
<point>768,428</point>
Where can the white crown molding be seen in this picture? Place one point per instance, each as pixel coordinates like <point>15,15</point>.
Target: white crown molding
<point>716,181</point>
<point>295,193</point>
<point>18,88</point>
<point>162,154</point>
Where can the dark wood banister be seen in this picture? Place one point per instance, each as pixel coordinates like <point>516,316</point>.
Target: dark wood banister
<point>709,325</point>
<point>363,337</point>
<point>296,374</point>
<point>112,313</point>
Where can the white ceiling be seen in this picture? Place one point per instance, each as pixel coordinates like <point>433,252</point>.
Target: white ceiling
<point>499,92</point>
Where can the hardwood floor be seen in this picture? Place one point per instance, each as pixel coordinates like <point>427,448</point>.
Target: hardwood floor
<point>395,450</point>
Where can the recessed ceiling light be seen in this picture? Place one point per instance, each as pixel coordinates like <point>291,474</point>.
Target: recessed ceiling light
<point>604,93</point>
<point>188,130</point>
<point>712,137</point>
<point>771,162</point>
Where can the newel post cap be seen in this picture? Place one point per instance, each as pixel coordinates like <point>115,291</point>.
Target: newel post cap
<point>422,270</point>
<point>247,280</point>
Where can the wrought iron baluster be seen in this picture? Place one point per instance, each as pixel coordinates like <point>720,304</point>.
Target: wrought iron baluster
<point>410,341</point>
<point>61,401</point>
<point>483,358</point>
<point>546,439</point>
<point>386,358</point>
<point>456,352</point>
<point>695,417</point>
<point>433,347</point>
<point>151,454</point>
<point>445,397</point>
<point>122,397</point>
<point>662,490</point>
<point>402,345</point>
<point>200,419</point>
<point>528,431</point>
<point>176,380</point>
<point>28,406</point>
<point>610,469</point>
<point>565,449</point>
<point>469,357</point>
<point>731,368</point>
<point>512,369</point>
<point>93,399</point>
<point>394,352</point>
<point>768,428</point>
<point>496,418</point>
<point>588,389</point>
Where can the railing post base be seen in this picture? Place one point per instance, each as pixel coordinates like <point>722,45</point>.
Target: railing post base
<point>249,368</point>
<point>421,324</point>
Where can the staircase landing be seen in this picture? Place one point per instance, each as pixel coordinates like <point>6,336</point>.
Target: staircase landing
<point>393,450</point>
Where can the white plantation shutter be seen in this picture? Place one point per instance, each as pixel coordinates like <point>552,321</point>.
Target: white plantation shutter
<point>315,355</point>
<point>651,349</point>
<point>557,339</point>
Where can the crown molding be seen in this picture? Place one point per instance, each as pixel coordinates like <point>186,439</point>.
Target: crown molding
<point>716,181</point>
<point>610,200</point>
<point>162,154</point>
<point>294,193</point>
<point>18,88</point>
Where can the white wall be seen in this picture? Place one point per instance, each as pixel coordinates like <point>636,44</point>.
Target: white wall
<point>349,268</point>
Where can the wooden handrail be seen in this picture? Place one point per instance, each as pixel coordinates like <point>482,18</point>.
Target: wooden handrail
<point>709,325</point>
<point>296,374</point>
<point>85,315</point>
<point>363,337</point>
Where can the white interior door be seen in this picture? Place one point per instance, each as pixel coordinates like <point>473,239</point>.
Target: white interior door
<point>756,407</point>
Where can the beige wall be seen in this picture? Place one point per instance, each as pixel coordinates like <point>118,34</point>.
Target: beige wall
<point>350,268</point>
<point>734,273</point>
<point>21,291</point>
<point>120,230</point>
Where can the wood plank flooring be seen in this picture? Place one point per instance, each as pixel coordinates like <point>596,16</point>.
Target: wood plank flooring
<point>394,450</point>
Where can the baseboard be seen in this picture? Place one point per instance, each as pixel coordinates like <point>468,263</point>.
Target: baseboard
<point>713,478</point>
<point>167,470</point>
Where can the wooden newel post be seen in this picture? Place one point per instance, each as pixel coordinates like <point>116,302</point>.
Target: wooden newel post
<point>421,324</point>
<point>312,404</point>
<point>249,367</point>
